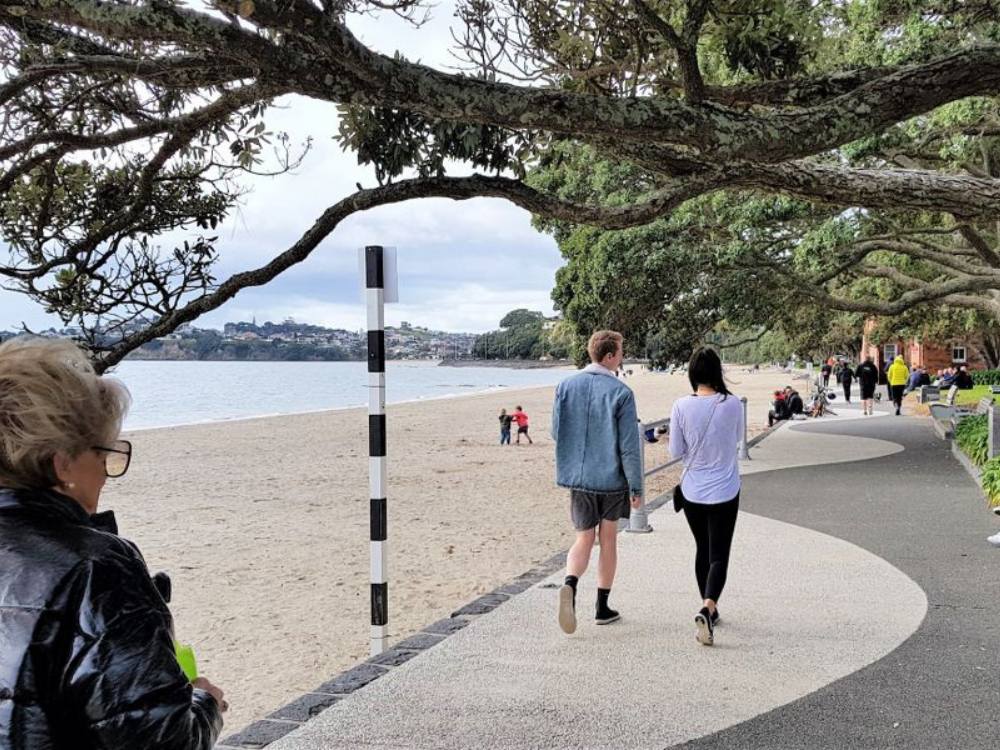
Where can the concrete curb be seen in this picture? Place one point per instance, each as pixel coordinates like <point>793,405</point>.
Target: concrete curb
<point>966,462</point>
<point>293,715</point>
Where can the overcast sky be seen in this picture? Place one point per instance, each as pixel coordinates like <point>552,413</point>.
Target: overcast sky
<point>462,265</point>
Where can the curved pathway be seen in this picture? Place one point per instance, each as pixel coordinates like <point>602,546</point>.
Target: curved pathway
<point>821,595</point>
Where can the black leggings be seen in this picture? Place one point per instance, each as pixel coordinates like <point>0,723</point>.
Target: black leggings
<point>897,394</point>
<point>712,526</point>
<point>847,392</point>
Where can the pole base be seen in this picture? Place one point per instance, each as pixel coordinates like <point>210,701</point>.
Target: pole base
<point>642,530</point>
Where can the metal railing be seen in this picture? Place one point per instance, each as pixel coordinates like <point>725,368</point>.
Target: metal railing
<point>638,520</point>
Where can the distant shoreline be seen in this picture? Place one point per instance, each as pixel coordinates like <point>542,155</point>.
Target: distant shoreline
<point>513,364</point>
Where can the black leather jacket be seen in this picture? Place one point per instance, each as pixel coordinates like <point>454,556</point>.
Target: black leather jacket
<point>86,652</point>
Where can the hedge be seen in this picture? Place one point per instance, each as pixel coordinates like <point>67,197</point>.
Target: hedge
<point>986,377</point>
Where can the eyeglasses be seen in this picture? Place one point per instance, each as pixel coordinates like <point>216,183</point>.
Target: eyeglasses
<point>119,456</point>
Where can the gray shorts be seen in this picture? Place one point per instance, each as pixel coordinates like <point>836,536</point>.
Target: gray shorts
<point>588,509</point>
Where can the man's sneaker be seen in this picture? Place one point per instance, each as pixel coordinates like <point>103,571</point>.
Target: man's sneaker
<point>994,540</point>
<point>567,609</point>
<point>607,616</point>
<point>706,633</point>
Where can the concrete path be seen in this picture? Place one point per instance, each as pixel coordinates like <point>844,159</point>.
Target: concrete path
<point>823,590</point>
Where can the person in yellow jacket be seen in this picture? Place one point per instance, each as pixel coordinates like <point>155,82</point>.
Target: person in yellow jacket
<point>897,374</point>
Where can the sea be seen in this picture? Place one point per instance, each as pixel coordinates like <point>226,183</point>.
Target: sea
<point>166,394</point>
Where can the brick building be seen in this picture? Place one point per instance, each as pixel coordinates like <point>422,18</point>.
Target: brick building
<point>932,355</point>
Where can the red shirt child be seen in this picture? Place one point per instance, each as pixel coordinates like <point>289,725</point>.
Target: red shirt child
<point>522,425</point>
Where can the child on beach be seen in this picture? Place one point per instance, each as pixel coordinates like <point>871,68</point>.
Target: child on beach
<point>505,420</point>
<point>522,425</point>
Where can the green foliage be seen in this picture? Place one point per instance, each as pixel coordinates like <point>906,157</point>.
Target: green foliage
<point>521,317</point>
<point>985,377</point>
<point>971,435</point>
<point>522,337</point>
<point>990,480</point>
<point>394,141</point>
<point>769,39</point>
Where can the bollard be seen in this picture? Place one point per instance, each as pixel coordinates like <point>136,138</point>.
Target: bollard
<point>638,519</point>
<point>744,443</point>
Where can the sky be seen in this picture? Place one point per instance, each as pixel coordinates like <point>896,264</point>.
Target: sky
<point>462,264</point>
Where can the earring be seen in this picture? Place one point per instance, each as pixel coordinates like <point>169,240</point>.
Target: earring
<point>70,485</point>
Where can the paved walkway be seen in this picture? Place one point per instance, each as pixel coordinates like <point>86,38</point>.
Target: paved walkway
<point>863,611</point>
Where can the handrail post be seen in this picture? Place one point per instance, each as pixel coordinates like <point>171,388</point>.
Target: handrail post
<point>744,442</point>
<point>638,519</point>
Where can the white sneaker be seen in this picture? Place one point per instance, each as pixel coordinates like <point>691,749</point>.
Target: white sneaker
<point>994,540</point>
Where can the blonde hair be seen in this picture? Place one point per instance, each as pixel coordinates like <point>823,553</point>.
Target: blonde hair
<point>52,401</point>
<point>603,343</point>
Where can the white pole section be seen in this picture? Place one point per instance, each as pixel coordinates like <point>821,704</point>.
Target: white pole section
<point>744,446</point>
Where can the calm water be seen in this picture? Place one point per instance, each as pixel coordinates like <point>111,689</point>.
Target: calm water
<point>172,393</point>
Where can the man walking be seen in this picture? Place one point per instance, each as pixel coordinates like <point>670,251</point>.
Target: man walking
<point>868,378</point>
<point>597,459</point>
<point>846,378</point>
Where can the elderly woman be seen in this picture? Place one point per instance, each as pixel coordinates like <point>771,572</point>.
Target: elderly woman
<point>87,656</point>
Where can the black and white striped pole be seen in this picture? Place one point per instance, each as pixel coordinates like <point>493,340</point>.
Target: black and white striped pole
<point>374,257</point>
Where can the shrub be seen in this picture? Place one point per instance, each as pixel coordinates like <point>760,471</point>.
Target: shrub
<point>991,481</point>
<point>986,377</point>
<point>972,436</point>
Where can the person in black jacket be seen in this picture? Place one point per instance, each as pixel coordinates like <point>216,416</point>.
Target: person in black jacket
<point>87,659</point>
<point>794,401</point>
<point>846,378</point>
<point>963,379</point>
<point>867,375</point>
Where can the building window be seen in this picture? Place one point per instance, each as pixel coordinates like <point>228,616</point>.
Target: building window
<point>958,354</point>
<point>889,352</point>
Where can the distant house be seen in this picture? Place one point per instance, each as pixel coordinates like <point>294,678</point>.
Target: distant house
<point>932,355</point>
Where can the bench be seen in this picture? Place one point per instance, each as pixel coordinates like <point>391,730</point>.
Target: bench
<point>945,425</point>
<point>930,393</point>
<point>945,410</point>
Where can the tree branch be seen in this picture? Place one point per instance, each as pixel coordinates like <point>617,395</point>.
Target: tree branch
<point>328,62</point>
<point>457,188</point>
<point>976,241</point>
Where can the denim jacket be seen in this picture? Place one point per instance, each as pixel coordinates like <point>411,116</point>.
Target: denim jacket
<point>596,431</point>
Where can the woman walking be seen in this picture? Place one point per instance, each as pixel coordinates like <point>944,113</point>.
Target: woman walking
<point>705,429</point>
<point>847,378</point>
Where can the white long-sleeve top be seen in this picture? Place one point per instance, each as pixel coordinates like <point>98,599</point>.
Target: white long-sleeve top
<point>712,474</point>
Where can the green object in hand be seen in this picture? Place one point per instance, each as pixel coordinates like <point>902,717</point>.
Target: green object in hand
<point>185,657</point>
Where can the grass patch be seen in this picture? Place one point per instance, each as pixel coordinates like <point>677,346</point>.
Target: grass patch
<point>970,397</point>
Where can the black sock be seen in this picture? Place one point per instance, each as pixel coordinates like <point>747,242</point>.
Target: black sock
<point>571,581</point>
<point>602,599</point>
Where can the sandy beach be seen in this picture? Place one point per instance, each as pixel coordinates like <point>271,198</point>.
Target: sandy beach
<point>263,525</point>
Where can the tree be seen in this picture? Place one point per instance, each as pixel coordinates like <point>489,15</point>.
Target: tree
<point>522,337</point>
<point>521,317</point>
<point>127,120</point>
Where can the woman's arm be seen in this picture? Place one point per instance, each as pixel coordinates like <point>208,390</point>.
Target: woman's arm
<point>122,680</point>
<point>678,448</point>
